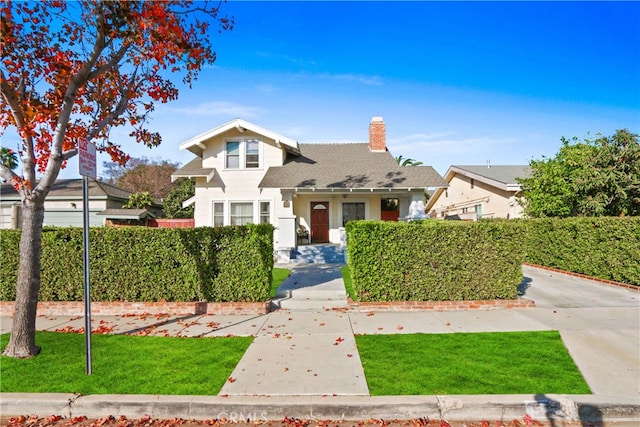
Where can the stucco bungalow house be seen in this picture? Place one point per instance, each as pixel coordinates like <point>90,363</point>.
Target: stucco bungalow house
<point>476,192</point>
<point>247,174</point>
<point>63,206</point>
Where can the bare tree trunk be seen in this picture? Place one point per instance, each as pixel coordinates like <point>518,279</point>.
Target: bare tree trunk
<point>22,343</point>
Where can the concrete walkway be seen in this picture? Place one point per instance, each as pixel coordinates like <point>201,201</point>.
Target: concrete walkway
<point>303,355</point>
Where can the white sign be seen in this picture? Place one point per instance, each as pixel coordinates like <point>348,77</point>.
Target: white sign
<point>87,154</point>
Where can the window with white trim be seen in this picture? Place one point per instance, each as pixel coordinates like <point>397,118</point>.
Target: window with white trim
<point>243,154</point>
<point>352,212</point>
<point>218,214</point>
<point>265,212</point>
<point>233,155</point>
<point>252,159</point>
<point>240,213</point>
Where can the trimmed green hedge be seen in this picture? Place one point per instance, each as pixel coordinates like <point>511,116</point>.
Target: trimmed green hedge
<point>149,264</point>
<point>435,260</point>
<point>604,247</point>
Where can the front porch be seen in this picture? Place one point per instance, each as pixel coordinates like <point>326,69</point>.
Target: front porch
<point>311,218</point>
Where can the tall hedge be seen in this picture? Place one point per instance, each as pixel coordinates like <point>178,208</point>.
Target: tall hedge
<point>604,247</point>
<point>149,264</point>
<point>435,260</point>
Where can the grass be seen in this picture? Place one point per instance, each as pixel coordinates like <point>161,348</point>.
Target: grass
<point>469,363</point>
<point>348,283</point>
<point>277,277</point>
<point>124,365</point>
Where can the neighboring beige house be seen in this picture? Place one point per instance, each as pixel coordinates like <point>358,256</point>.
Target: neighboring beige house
<point>477,192</point>
<point>248,174</point>
<point>63,205</point>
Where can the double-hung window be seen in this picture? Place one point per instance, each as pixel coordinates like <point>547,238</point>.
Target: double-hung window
<point>243,154</point>
<point>265,212</point>
<point>252,158</point>
<point>240,213</point>
<point>218,214</point>
<point>233,155</point>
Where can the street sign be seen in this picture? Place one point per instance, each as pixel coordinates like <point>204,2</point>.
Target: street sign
<point>87,155</point>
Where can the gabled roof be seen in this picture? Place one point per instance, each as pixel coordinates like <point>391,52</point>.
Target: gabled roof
<point>196,144</point>
<point>499,176</point>
<point>347,166</point>
<point>72,189</point>
<point>194,169</point>
<point>502,177</point>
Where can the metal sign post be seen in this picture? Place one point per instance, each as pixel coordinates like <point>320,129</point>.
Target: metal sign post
<point>87,168</point>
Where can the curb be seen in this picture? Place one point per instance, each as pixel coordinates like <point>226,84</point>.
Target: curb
<point>543,408</point>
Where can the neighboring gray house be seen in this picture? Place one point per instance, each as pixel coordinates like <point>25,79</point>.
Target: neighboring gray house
<point>63,205</point>
<point>248,174</point>
<point>476,192</point>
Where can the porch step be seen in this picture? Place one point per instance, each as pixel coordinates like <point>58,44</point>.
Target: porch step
<point>319,254</point>
<point>312,287</point>
<point>313,294</point>
<point>308,303</point>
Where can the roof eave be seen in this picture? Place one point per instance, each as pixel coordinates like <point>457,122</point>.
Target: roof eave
<point>196,146</point>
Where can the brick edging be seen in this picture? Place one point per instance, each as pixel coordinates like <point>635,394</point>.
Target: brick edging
<point>440,305</point>
<point>584,276</point>
<point>101,308</point>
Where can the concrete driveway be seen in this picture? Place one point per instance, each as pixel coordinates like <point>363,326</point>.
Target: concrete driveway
<point>599,324</point>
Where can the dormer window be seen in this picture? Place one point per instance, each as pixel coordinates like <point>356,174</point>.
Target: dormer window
<point>243,154</point>
<point>253,154</point>
<point>233,155</point>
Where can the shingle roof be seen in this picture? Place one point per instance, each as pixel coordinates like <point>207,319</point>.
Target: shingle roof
<point>505,174</point>
<point>126,213</point>
<point>72,188</point>
<point>336,166</point>
<point>193,169</point>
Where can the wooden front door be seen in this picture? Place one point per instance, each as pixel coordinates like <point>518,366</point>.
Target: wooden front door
<point>319,222</point>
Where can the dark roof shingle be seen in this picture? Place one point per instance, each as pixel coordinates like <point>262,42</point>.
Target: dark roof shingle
<point>72,188</point>
<point>506,174</point>
<point>347,166</point>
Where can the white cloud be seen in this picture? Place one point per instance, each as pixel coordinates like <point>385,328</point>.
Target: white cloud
<point>216,109</point>
<point>445,149</point>
<point>359,78</point>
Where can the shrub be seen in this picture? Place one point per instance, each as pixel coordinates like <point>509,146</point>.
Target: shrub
<point>149,264</point>
<point>604,247</point>
<point>435,260</point>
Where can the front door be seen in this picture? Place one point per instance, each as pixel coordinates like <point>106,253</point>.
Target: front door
<point>319,222</point>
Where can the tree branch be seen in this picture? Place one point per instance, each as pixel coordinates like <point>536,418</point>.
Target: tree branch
<point>112,62</point>
<point>119,110</point>
<point>77,80</point>
<point>9,94</point>
<point>7,174</point>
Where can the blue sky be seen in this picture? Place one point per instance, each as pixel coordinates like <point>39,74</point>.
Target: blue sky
<point>456,82</point>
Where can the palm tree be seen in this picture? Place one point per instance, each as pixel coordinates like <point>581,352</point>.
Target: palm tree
<point>407,162</point>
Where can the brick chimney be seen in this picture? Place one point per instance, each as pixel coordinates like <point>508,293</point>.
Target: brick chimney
<point>377,135</point>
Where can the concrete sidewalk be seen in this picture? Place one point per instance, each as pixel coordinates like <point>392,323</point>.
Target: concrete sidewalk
<point>309,357</point>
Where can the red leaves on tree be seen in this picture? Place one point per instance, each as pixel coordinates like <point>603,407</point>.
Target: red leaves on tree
<point>74,70</point>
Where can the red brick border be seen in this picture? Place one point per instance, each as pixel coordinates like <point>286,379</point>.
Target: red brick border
<point>440,305</point>
<point>76,308</point>
<point>584,276</point>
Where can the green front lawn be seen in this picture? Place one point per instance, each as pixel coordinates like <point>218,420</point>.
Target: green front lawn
<point>469,363</point>
<point>124,365</point>
<point>348,283</point>
<point>277,277</point>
